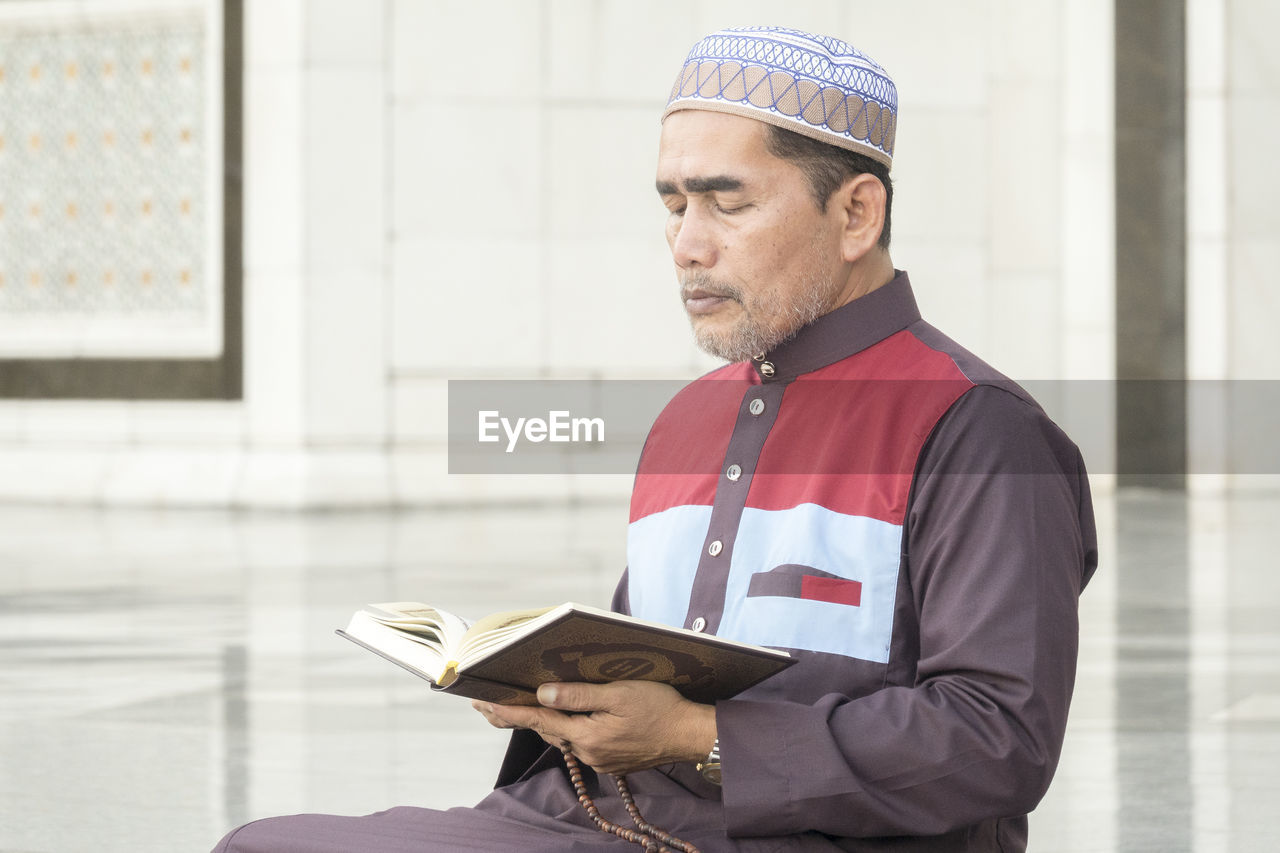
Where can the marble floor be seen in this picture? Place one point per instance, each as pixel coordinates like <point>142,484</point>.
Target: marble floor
<point>166,675</point>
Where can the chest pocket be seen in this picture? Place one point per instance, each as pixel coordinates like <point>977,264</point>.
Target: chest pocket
<point>793,580</point>
<point>812,579</point>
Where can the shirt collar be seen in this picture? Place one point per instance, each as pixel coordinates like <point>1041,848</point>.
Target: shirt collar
<point>850,328</point>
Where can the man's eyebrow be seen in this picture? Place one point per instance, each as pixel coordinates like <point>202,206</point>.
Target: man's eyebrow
<point>717,183</point>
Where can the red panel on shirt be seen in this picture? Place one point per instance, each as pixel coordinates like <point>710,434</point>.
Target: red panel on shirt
<point>681,463</point>
<point>834,590</point>
<point>848,436</point>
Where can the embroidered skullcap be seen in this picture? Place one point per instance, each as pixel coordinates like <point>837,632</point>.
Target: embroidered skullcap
<point>814,85</point>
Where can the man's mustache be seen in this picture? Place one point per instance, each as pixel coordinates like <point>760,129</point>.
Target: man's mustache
<point>701,284</point>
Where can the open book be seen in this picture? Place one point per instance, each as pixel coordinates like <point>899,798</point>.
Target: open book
<point>504,657</point>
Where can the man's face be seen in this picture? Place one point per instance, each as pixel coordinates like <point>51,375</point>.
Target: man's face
<point>757,259</point>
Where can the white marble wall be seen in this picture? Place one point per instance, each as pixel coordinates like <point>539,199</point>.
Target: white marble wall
<point>440,190</point>
<point>1253,112</point>
<point>1233,130</point>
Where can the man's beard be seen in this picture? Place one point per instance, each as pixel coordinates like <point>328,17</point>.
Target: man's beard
<point>767,321</point>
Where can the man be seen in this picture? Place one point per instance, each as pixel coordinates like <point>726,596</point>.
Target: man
<point>854,488</point>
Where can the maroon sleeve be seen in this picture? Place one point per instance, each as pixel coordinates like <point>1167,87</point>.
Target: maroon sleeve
<point>999,541</point>
<point>621,596</point>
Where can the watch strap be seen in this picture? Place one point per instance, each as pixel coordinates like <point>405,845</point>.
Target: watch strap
<point>709,767</point>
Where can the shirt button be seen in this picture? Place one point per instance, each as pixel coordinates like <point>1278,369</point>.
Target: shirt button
<point>767,369</point>
<point>715,548</point>
<point>756,406</point>
<point>698,624</point>
<point>734,472</point>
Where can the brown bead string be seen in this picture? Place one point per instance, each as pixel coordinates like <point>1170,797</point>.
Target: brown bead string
<point>644,826</point>
<point>653,839</point>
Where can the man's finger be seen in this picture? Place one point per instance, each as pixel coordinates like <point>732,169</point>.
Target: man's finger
<point>498,715</point>
<point>544,721</point>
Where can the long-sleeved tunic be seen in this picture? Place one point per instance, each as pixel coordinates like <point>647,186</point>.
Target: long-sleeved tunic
<point>913,528</point>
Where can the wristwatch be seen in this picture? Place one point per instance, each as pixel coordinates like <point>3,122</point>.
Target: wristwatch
<point>709,767</point>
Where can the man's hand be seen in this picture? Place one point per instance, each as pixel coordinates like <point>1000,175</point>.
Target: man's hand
<point>615,728</point>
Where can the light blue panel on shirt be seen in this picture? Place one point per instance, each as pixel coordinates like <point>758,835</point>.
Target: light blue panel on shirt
<point>662,557</point>
<point>848,546</point>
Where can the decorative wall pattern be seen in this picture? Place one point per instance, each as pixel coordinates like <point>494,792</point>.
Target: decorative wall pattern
<point>109,222</point>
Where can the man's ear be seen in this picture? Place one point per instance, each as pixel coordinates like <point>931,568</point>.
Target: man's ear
<point>862,199</point>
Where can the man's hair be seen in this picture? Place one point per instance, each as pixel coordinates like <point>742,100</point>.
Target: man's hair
<point>827,167</point>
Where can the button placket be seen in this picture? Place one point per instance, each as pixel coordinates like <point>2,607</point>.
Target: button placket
<point>758,409</point>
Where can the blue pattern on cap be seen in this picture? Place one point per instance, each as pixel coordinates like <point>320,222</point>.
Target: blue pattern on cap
<point>817,85</point>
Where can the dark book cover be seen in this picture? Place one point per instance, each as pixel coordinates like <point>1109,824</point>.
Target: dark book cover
<point>576,643</point>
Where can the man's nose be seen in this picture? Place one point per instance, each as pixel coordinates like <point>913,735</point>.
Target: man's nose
<point>692,242</point>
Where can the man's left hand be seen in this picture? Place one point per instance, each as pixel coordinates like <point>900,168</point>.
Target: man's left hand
<point>614,728</point>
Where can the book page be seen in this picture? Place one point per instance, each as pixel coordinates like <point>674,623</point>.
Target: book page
<point>416,652</point>
<point>496,628</point>
<point>422,622</point>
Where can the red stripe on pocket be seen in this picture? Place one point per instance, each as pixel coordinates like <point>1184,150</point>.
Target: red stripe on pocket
<point>834,590</point>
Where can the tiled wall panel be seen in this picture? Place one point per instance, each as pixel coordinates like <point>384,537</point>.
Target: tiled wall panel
<point>110,180</point>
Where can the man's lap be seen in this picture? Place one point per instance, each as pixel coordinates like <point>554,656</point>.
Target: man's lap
<point>538,815</point>
<point>407,829</point>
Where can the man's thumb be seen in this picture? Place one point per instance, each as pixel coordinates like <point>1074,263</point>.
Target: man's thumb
<point>566,697</point>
